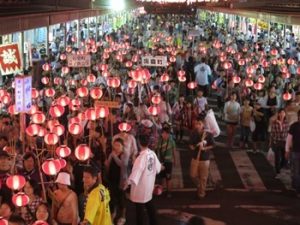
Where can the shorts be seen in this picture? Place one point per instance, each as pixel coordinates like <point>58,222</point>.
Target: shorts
<point>167,172</point>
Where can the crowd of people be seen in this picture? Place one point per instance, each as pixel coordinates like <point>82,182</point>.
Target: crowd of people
<point>131,148</point>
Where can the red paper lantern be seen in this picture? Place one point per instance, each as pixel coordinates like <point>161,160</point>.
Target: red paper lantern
<point>51,139</point>
<point>49,92</point>
<point>192,85</point>
<point>75,128</point>
<point>91,78</point>
<point>172,59</point>
<point>284,69</point>
<point>274,52</point>
<point>261,79</point>
<point>42,132</point>
<point>236,79</point>
<point>63,101</point>
<point>291,61</point>
<point>84,82</point>
<point>128,64</point>
<point>40,222</point>
<point>286,75</point>
<point>274,61</point>
<point>258,86</point>
<point>102,111</point>
<point>182,78</point>
<point>124,127</point>
<point>164,78</point>
<point>154,110</point>
<point>287,96</point>
<point>5,99</point>
<point>20,199</point>
<point>113,82</point>
<point>52,123</point>
<point>75,104</point>
<point>46,67</point>
<point>249,83</point>
<point>63,151</point>
<point>57,81</point>
<point>51,167</point>
<point>65,70</point>
<point>3,221</point>
<point>74,120</point>
<point>156,99</point>
<point>82,152</point>
<point>181,73</point>
<point>33,109</point>
<point>227,65</point>
<point>250,70</point>
<point>15,182</point>
<point>45,80</point>
<point>135,58</point>
<point>91,114</point>
<point>81,116</point>
<point>12,110</point>
<point>59,130</point>
<point>96,93</point>
<point>34,93</point>
<point>38,118</point>
<point>56,111</point>
<point>32,130</point>
<point>82,92</point>
<point>132,84</point>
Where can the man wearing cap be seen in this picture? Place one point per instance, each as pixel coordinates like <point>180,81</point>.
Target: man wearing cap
<point>5,166</point>
<point>65,209</point>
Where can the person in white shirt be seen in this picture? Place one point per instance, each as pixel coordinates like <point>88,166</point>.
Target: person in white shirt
<point>232,111</point>
<point>142,179</point>
<point>200,102</point>
<point>203,71</point>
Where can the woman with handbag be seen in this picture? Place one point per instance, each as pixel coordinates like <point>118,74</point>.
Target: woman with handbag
<point>201,142</point>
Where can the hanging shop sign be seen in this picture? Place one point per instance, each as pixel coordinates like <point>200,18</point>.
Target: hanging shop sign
<point>75,60</point>
<point>109,104</point>
<point>156,61</point>
<point>10,59</point>
<point>23,86</point>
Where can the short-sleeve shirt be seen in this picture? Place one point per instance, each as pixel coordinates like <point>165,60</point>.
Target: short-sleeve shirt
<point>195,138</point>
<point>295,132</point>
<point>165,149</point>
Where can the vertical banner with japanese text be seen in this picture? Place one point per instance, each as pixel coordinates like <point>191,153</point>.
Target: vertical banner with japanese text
<point>23,86</point>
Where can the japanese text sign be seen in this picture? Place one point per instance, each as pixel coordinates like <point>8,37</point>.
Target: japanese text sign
<point>79,60</point>
<point>157,61</point>
<point>10,59</point>
<point>23,86</point>
<point>109,104</point>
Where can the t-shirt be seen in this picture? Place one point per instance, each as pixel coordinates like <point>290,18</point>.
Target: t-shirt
<point>165,149</point>
<point>97,210</point>
<point>295,132</point>
<point>246,114</point>
<point>202,72</point>
<point>143,175</point>
<point>195,138</point>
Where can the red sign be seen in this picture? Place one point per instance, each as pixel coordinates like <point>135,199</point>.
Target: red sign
<point>10,59</point>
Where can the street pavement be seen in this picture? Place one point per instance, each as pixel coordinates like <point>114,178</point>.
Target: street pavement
<point>241,190</point>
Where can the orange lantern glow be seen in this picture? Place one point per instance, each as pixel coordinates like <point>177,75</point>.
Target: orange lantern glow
<point>59,130</point>
<point>132,84</point>
<point>82,152</point>
<point>261,79</point>
<point>91,78</point>
<point>192,85</point>
<point>287,96</point>
<point>258,86</point>
<point>96,93</point>
<point>274,52</point>
<point>154,110</point>
<point>34,93</point>
<point>227,65</point>
<point>15,182</point>
<point>12,110</point>
<point>102,111</point>
<point>65,70</point>
<point>249,83</point>
<point>164,78</point>
<point>236,79</point>
<point>32,130</point>
<point>91,114</point>
<point>63,101</point>
<point>49,92</point>
<point>124,127</point>
<point>82,92</point>
<point>156,99</point>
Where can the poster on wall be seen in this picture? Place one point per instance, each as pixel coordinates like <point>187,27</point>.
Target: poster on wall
<point>10,59</point>
<point>23,86</point>
<point>75,60</point>
<point>156,61</point>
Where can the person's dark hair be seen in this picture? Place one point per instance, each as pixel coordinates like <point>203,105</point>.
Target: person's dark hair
<point>91,170</point>
<point>16,219</point>
<point>29,155</point>
<point>35,186</point>
<point>203,60</point>
<point>195,220</point>
<point>144,140</point>
<point>166,129</point>
<point>120,140</point>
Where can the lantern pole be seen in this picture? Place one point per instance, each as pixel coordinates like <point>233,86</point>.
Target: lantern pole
<point>22,130</point>
<point>41,176</point>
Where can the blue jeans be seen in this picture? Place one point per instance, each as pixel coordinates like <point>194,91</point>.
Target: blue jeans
<point>295,169</point>
<point>245,132</point>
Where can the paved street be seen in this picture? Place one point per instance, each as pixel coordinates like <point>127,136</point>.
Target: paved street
<point>242,190</point>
